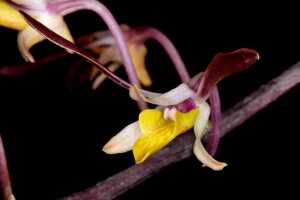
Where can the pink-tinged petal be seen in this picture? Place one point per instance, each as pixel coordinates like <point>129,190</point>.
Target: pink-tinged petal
<point>223,65</point>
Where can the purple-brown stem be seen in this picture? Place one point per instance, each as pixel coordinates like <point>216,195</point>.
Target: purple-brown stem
<point>5,186</point>
<point>181,148</point>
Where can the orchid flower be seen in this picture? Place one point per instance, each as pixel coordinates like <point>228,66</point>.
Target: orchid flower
<point>27,36</point>
<point>105,46</point>
<point>50,13</point>
<point>178,111</point>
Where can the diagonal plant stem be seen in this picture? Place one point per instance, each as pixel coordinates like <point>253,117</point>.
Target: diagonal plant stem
<point>5,186</point>
<point>181,148</point>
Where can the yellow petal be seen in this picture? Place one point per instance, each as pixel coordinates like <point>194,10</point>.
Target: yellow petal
<point>138,54</point>
<point>158,132</point>
<point>185,121</point>
<point>11,18</point>
<point>29,37</point>
<point>151,120</point>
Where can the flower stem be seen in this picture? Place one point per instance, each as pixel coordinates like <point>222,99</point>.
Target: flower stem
<point>144,33</point>
<point>5,186</point>
<point>181,148</point>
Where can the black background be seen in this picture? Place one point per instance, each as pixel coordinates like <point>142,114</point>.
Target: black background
<point>53,135</point>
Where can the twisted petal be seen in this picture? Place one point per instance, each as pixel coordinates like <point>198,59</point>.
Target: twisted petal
<point>199,129</point>
<point>29,37</point>
<point>124,140</point>
<point>10,17</point>
<point>158,132</point>
<point>205,158</point>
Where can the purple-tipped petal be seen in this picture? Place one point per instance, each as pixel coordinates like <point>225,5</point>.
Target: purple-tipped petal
<point>223,65</point>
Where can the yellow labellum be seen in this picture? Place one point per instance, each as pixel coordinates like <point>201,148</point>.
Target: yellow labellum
<point>156,132</point>
<point>10,17</point>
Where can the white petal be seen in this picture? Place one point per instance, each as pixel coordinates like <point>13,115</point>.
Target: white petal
<point>202,120</point>
<point>26,39</point>
<point>124,140</point>
<point>11,197</point>
<point>205,158</point>
<point>200,128</point>
<point>172,97</point>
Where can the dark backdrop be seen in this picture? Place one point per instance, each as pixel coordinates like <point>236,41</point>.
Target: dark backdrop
<point>53,135</point>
